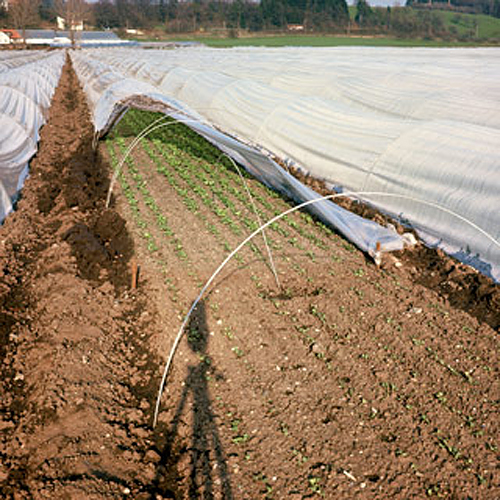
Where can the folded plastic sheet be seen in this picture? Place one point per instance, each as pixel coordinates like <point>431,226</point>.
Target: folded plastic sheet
<point>110,94</point>
<point>25,94</point>
<point>422,126</point>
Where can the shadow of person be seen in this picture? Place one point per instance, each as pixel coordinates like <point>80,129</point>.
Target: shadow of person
<point>207,454</point>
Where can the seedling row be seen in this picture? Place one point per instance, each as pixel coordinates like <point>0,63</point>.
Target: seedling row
<point>173,167</point>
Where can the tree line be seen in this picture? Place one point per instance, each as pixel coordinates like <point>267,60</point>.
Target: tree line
<point>323,16</point>
<point>194,15</point>
<point>232,16</point>
<point>185,16</point>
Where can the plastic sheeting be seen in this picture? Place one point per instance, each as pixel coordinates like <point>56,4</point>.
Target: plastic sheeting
<point>421,126</point>
<point>13,59</point>
<point>26,90</point>
<point>82,38</point>
<point>110,93</point>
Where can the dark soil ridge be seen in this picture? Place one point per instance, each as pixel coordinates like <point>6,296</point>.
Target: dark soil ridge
<point>78,378</point>
<point>464,287</point>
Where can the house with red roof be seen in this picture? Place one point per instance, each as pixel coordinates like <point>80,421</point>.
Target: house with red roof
<point>10,36</point>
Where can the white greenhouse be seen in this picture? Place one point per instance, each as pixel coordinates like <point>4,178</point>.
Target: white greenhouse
<point>27,84</point>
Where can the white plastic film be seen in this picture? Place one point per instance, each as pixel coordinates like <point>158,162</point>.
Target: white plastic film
<point>26,90</point>
<point>421,126</point>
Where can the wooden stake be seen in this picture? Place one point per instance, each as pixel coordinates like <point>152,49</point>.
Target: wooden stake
<point>378,254</point>
<point>134,270</point>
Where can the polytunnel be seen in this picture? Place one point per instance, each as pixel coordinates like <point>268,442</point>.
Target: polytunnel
<point>27,84</point>
<point>111,92</point>
<point>417,131</point>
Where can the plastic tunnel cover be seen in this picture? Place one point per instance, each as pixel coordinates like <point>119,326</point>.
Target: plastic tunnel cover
<point>367,235</point>
<point>415,124</point>
<point>26,91</point>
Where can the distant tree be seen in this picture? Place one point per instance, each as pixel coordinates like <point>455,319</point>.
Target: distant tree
<point>312,14</point>
<point>106,15</point>
<point>495,11</point>
<point>253,14</point>
<point>74,12</point>
<point>137,13</point>
<point>145,11</point>
<point>171,10</point>
<point>23,13</point>
<point>274,13</point>
<point>46,11</point>
<point>364,13</point>
<point>335,12</point>
<point>3,12</point>
<point>124,12</point>
<point>162,11</point>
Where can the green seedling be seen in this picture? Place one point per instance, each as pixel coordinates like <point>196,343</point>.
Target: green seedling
<point>239,353</point>
<point>315,485</point>
<point>228,333</point>
<point>240,439</point>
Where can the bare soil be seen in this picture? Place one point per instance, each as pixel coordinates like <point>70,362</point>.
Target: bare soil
<point>348,381</point>
<point>78,375</point>
<point>463,286</point>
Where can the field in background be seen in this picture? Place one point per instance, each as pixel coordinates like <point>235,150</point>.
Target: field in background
<point>484,27</point>
<point>324,41</point>
<point>468,29</point>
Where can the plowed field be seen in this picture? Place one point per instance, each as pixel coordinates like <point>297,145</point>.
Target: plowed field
<point>344,381</point>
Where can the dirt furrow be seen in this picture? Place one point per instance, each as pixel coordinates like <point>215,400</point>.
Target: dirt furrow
<point>78,376</point>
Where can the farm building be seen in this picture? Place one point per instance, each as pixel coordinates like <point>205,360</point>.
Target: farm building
<point>11,35</point>
<point>4,38</point>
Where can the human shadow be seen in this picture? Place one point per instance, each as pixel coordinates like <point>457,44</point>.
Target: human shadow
<point>208,462</point>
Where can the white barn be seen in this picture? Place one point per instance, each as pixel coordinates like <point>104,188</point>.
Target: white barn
<point>4,38</point>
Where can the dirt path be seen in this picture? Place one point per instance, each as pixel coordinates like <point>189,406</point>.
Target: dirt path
<point>350,382</point>
<point>76,370</point>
